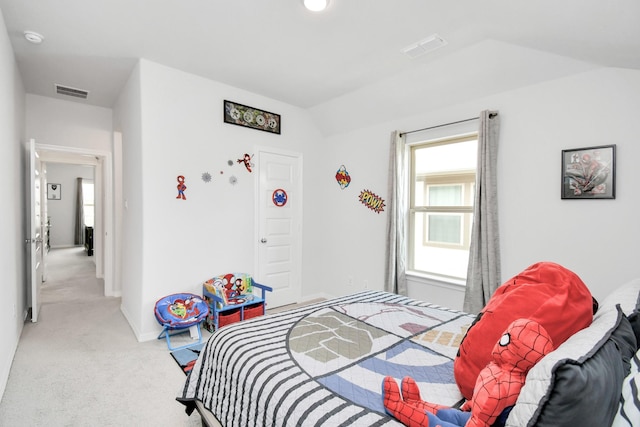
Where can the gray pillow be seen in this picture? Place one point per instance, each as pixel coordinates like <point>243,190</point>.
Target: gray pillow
<point>579,384</point>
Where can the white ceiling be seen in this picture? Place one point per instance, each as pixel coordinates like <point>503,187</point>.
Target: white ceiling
<point>320,60</point>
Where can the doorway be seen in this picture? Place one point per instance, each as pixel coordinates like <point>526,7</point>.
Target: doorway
<point>279,225</point>
<point>103,216</point>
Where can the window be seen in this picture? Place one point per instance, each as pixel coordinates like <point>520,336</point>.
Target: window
<point>88,202</point>
<point>443,174</point>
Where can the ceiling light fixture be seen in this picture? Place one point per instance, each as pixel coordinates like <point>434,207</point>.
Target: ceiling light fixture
<point>33,37</point>
<point>316,5</point>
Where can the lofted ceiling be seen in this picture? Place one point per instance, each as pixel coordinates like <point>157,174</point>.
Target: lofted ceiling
<point>318,61</point>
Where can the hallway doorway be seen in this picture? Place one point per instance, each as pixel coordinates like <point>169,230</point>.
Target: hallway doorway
<point>103,230</point>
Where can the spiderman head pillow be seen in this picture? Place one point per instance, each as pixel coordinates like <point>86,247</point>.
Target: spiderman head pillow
<point>546,293</point>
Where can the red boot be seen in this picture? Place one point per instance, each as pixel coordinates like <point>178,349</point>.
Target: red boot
<point>404,412</point>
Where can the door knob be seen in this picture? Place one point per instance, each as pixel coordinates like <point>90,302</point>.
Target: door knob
<point>263,240</point>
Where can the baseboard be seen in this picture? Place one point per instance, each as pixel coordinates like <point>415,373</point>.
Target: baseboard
<point>8,362</point>
<point>319,295</point>
<point>126,315</point>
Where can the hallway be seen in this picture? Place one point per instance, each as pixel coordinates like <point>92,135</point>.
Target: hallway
<point>81,363</point>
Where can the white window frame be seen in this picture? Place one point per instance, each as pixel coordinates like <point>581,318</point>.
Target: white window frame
<point>465,178</point>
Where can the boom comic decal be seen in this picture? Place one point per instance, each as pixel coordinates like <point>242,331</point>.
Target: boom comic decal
<point>279,197</point>
<point>372,201</point>
<point>343,178</point>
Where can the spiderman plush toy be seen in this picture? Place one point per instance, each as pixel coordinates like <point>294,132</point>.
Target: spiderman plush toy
<point>520,347</point>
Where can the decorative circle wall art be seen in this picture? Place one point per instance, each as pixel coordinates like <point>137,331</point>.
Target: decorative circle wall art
<point>181,188</point>
<point>371,200</point>
<point>279,197</point>
<point>243,115</point>
<point>343,177</point>
<point>233,180</point>
<point>206,177</point>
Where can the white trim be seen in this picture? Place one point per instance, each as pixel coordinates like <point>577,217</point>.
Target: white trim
<point>257,219</point>
<point>103,161</point>
<point>434,280</point>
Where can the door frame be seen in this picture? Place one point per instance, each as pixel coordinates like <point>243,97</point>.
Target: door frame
<point>36,183</point>
<point>258,270</point>
<point>103,179</point>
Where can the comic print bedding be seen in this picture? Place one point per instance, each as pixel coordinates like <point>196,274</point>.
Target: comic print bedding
<point>323,364</point>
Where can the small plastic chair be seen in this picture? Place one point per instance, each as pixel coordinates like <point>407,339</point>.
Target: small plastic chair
<point>179,312</point>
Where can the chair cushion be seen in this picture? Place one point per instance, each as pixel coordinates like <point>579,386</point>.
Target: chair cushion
<point>179,311</point>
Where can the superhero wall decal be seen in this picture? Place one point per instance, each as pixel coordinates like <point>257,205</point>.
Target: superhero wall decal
<point>343,177</point>
<point>181,188</point>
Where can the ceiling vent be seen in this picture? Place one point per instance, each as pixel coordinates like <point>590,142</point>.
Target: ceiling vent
<point>427,45</point>
<point>70,91</point>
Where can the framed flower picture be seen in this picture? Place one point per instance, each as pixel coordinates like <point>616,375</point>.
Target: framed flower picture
<point>589,173</point>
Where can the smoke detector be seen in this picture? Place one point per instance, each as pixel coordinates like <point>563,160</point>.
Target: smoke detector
<point>427,45</point>
<point>33,37</point>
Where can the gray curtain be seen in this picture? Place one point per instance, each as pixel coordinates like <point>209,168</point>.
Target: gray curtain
<point>483,273</point>
<point>395,277</point>
<point>79,228</point>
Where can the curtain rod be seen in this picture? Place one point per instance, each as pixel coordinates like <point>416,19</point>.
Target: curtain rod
<point>491,115</point>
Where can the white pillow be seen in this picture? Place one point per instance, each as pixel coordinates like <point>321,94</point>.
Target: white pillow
<point>625,295</point>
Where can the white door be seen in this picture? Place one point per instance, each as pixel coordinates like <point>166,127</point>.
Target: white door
<point>279,216</point>
<point>35,247</point>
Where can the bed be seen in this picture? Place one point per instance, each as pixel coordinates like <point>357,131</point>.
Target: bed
<point>323,365</point>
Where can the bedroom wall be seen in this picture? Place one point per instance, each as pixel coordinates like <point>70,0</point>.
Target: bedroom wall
<point>596,239</point>
<point>54,121</point>
<point>127,121</point>
<point>12,224</point>
<point>63,212</point>
<point>174,245</point>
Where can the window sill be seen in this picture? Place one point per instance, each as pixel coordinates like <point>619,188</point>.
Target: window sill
<point>434,280</point>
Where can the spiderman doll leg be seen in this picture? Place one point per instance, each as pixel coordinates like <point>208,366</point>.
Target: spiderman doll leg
<point>411,395</point>
<point>398,408</point>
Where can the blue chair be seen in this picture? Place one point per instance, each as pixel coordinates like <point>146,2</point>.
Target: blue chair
<point>179,312</point>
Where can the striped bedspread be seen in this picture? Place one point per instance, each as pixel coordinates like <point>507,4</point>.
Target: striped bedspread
<point>323,364</point>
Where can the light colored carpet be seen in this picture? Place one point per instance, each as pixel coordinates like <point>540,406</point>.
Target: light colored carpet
<point>81,365</point>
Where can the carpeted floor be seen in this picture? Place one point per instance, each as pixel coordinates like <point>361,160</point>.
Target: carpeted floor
<point>81,365</point>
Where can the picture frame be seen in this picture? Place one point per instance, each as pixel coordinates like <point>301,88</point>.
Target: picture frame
<point>589,173</point>
<point>54,191</point>
<point>243,115</point>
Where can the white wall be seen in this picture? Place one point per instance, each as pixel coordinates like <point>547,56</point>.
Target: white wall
<point>127,115</point>
<point>62,213</point>
<point>597,239</point>
<point>174,245</point>
<point>12,224</point>
<point>70,124</point>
